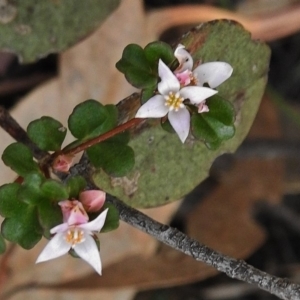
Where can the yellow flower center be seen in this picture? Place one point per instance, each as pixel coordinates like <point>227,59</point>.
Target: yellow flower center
<point>74,236</point>
<point>174,101</point>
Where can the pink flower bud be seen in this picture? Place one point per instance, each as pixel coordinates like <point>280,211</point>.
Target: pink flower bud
<point>202,107</point>
<point>73,212</point>
<point>92,200</point>
<point>62,163</point>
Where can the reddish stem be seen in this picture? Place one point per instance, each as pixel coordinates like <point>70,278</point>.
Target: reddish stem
<point>131,123</point>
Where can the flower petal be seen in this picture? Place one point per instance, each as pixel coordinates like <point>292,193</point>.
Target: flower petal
<point>88,251</point>
<point>154,108</point>
<point>56,247</point>
<point>180,121</point>
<point>213,73</point>
<point>185,59</point>
<point>184,77</point>
<point>96,224</point>
<point>77,215</point>
<point>196,94</point>
<point>59,228</point>
<point>169,82</point>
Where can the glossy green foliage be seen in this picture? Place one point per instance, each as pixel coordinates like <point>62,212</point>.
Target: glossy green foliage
<point>140,65</point>
<point>47,133</point>
<point>19,158</point>
<point>114,156</point>
<point>24,230</point>
<point>30,209</point>
<point>214,126</point>
<point>32,29</point>
<point>21,223</point>
<point>165,169</point>
<point>90,119</point>
<point>55,190</point>
<point>75,185</point>
<point>112,218</point>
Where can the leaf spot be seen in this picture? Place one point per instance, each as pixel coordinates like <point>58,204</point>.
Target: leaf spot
<point>129,186</point>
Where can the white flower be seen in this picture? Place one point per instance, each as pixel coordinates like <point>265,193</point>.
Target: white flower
<point>78,237</point>
<point>170,101</point>
<point>213,73</point>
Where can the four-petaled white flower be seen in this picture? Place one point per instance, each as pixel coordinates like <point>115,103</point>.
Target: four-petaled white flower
<point>78,237</point>
<point>170,101</point>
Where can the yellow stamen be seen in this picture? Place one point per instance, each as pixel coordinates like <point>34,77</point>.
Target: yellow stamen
<point>174,101</point>
<point>74,236</point>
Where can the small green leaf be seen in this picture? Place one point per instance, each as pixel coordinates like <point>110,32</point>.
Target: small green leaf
<point>133,56</point>
<point>54,190</point>
<point>221,110</point>
<point>159,50</point>
<point>210,130</point>
<point>47,133</point>
<point>75,185</point>
<point>147,94</point>
<point>136,68</point>
<point>114,157</point>
<point>112,218</point>
<point>24,229</point>
<point>19,158</point>
<point>166,125</point>
<point>140,80</point>
<point>50,215</point>
<point>2,244</point>
<point>10,205</point>
<point>91,118</point>
<point>30,191</point>
<point>214,126</point>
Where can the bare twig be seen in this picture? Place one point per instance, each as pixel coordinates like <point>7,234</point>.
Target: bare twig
<point>234,268</point>
<point>9,124</point>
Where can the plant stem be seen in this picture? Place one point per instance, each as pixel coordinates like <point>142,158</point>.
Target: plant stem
<point>103,137</point>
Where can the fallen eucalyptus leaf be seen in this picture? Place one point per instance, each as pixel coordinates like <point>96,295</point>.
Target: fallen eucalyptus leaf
<point>165,169</point>
<point>34,29</point>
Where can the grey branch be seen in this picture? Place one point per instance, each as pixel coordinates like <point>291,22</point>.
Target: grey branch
<point>234,268</point>
<point>172,237</point>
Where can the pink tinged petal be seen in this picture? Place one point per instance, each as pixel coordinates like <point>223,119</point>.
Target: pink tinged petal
<point>88,251</point>
<point>184,58</point>
<point>77,215</point>
<point>169,82</point>
<point>180,121</point>
<point>66,208</point>
<point>184,77</point>
<point>197,94</point>
<point>96,224</point>
<point>154,108</point>
<point>213,73</point>
<point>56,247</point>
<point>92,200</point>
<point>59,228</point>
